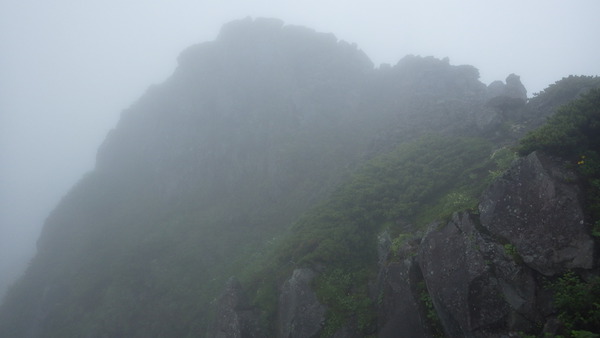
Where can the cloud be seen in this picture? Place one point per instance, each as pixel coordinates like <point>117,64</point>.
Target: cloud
<point>70,67</point>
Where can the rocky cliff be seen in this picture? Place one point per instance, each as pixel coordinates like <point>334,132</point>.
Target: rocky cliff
<point>281,156</point>
<point>485,272</point>
<point>482,274</point>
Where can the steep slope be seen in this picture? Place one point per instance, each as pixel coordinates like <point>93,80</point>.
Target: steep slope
<point>250,130</point>
<point>359,264</point>
<point>207,173</point>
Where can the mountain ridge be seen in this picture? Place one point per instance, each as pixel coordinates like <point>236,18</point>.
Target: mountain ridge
<point>252,131</point>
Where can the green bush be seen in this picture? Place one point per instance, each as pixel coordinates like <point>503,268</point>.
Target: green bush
<point>415,183</point>
<point>345,292</point>
<point>578,302</point>
<point>573,130</point>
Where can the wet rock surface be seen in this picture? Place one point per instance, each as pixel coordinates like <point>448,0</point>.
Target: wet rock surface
<point>485,272</point>
<point>478,275</point>
<point>467,295</point>
<point>300,313</point>
<point>398,297</point>
<point>535,207</point>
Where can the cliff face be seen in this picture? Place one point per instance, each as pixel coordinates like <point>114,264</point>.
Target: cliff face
<point>484,271</point>
<point>208,175</point>
<point>482,274</point>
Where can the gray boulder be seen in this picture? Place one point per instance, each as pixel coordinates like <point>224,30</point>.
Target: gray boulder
<point>400,311</point>
<point>536,208</point>
<point>234,317</point>
<point>514,88</point>
<point>300,313</point>
<point>484,272</point>
<point>466,293</point>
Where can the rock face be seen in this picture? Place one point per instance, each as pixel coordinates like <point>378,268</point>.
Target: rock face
<point>399,298</point>
<point>472,282</point>
<point>536,208</point>
<point>505,103</point>
<point>483,272</point>
<point>512,89</point>
<point>234,317</point>
<point>300,313</point>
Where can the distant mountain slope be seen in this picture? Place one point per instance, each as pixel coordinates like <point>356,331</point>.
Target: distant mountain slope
<point>210,171</point>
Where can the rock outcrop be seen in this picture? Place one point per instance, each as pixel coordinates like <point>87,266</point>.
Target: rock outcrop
<point>470,280</point>
<point>505,103</point>
<point>482,274</point>
<point>398,296</point>
<point>234,316</point>
<point>536,208</point>
<point>512,89</point>
<point>484,271</point>
<point>300,313</point>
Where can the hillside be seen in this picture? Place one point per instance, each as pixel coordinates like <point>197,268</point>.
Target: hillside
<point>280,156</point>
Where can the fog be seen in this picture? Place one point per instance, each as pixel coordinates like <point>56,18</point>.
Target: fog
<point>69,68</point>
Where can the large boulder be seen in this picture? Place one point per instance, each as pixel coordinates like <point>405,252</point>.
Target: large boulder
<point>399,306</point>
<point>514,88</point>
<point>484,272</point>
<point>504,103</point>
<point>536,208</point>
<point>465,292</point>
<point>300,312</point>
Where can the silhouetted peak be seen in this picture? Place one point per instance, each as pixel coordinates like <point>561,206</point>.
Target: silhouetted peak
<point>422,61</point>
<point>513,88</point>
<point>269,43</point>
<point>250,29</point>
<point>432,66</point>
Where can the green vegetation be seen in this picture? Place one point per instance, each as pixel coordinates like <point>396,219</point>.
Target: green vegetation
<point>573,133</point>
<point>573,130</point>
<point>398,242</point>
<point>578,303</point>
<point>596,229</point>
<point>511,251</point>
<point>565,90</point>
<point>416,183</point>
<point>346,294</point>
<point>262,172</point>
<point>432,317</point>
<point>503,158</point>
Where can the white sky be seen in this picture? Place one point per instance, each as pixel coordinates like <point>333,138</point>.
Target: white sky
<point>69,67</point>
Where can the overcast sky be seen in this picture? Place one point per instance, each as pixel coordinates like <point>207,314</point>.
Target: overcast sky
<point>68,68</point>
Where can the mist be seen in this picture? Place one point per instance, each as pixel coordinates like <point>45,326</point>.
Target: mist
<point>69,69</point>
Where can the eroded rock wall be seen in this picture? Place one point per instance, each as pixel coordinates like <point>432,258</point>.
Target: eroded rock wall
<point>485,272</point>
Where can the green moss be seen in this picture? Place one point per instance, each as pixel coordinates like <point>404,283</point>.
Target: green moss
<point>511,251</point>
